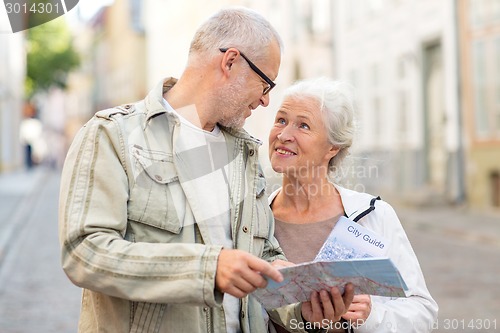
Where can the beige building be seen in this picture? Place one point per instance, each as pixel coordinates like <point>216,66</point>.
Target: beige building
<point>119,54</point>
<point>113,63</point>
<point>480,63</point>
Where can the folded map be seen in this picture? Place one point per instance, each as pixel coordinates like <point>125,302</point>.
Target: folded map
<point>352,254</point>
<point>372,276</point>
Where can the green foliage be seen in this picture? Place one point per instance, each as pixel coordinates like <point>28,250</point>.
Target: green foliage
<point>50,56</point>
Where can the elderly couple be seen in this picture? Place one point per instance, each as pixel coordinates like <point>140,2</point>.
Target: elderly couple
<point>164,218</point>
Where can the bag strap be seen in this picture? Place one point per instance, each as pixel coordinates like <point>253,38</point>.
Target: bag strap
<point>356,219</point>
<point>368,211</point>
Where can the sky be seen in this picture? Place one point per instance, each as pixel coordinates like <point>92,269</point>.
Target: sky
<point>88,8</point>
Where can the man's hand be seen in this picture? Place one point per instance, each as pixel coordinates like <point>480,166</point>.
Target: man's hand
<point>278,263</point>
<point>240,273</point>
<point>324,305</point>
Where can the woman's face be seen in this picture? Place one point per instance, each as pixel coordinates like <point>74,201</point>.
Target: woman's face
<point>298,141</point>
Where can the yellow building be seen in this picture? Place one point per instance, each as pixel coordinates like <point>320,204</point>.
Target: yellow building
<point>479,23</point>
<point>120,54</point>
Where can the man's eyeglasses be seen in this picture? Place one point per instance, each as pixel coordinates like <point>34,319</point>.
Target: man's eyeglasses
<point>256,69</point>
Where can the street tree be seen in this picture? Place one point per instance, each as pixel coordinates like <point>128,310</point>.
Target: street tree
<point>51,56</point>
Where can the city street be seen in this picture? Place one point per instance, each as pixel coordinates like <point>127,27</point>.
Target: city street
<point>461,265</point>
<point>35,295</point>
<point>459,253</point>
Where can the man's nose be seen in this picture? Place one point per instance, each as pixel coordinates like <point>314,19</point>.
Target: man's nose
<point>264,100</point>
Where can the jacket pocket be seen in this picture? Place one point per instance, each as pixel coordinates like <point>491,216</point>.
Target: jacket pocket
<point>155,185</point>
<point>261,228</point>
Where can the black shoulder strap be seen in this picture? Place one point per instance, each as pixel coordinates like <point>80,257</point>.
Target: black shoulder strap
<point>366,212</point>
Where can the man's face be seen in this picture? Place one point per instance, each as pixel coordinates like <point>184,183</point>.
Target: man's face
<point>245,93</point>
<point>231,105</point>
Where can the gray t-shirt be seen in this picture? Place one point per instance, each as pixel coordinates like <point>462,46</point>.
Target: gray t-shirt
<point>301,242</point>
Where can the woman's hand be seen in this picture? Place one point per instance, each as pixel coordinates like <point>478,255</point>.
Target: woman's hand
<point>359,310</point>
<point>327,307</point>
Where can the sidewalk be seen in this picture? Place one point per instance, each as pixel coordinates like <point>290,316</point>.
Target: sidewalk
<point>451,221</point>
<point>17,189</point>
<point>35,294</point>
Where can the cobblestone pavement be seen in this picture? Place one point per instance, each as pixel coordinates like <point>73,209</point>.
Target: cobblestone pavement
<point>459,252</point>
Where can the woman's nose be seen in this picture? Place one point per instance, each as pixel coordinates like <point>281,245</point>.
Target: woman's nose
<point>286,134</point>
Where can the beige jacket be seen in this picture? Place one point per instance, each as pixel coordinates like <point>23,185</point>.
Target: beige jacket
<point>128,229</point>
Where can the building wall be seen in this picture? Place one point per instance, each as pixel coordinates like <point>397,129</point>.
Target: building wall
<point>483,177</point>
<point>120,55</point>
<point>12,74</point>
<point>112,71</point>
<point>401,58</point>
<point>480,60</point>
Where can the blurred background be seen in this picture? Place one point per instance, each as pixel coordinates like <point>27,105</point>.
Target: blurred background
<point>427,81</point>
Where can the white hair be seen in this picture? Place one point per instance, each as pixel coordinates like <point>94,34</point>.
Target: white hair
<point>336,100</point>
<point>237,27</point>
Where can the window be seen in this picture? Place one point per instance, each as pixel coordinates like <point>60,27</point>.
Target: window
<point>401,97</point>
<point>496,85</point>
<point>321,16</point>
<point>377,120</point>
<point>401,69</point>
<point>353,79</point>
<point>374,6</point>
<point>481,114</point>
<point>375,87</point>
<point>486,83</point>
<point>403,113</point>
<point>375,77</point>
<point>350,16</point>
<point>484,12</point>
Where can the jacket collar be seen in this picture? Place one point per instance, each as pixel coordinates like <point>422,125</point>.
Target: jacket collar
<point>155,106</point>
<point>154,100</point>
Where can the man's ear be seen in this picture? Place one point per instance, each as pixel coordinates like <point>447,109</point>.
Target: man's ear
<point>228,60</point>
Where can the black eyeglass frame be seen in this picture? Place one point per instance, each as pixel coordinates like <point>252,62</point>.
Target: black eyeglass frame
<point>256,69</point>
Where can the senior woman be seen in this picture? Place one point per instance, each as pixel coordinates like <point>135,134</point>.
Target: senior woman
<point>312,133</point>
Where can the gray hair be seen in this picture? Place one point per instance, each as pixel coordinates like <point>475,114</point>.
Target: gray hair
<point>336,100</point>
<point>237,27</point>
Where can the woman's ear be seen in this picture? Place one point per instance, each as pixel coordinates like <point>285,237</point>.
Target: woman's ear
<point>333,152</point>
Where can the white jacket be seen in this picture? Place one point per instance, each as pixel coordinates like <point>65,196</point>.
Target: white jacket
<point>418,311</point>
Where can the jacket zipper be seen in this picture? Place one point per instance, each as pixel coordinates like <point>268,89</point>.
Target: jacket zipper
<point>209,320</point>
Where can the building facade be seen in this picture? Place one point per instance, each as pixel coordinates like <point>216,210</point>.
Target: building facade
<point>12,74</point>
<point>480,97</point>
<point>118,54</point>
<point>401,57</point>
<point>113,63</point>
